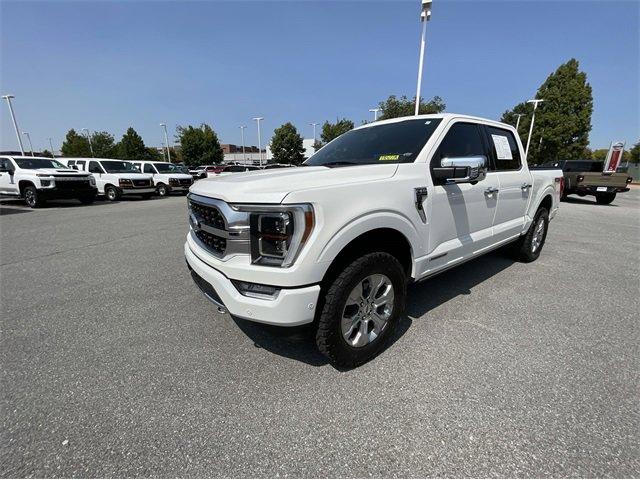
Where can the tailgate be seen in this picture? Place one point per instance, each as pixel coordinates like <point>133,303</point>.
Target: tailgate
<point>616,180</point>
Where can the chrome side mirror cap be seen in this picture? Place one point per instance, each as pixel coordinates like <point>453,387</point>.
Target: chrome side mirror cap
<point>468,169</point>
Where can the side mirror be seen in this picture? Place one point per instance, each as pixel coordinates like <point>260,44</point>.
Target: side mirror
<point>468,169</point>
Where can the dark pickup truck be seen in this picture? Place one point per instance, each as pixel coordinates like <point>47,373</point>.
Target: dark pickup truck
<point>585,177</point>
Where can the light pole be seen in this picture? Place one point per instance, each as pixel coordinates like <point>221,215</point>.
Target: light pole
<point>166,140</point>
<point>375,113</point>
<point>533,119</point>
<point>518,120</point>
<point>89,140</point>
<point>258,119</point>
<point>15,123</point>
<point>314,131</point>
<point>244,155</point>
<point>425,16</point>
<point>26,133</point>
<point>53,155</point>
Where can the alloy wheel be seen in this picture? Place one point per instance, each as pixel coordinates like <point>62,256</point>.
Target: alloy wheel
<point>538,235</point>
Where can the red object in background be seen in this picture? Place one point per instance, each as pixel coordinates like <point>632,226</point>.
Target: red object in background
<point>215,169</point>
<point>615,160</point>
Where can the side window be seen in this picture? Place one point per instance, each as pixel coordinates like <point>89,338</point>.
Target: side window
<point>148,168</point>
<point>70,163</point>
<point>504,148</point>
<point>462,140</point>
<point>94,167</point>
<point>80,164</point>
<point>5,165</point>
<point>137,166</point>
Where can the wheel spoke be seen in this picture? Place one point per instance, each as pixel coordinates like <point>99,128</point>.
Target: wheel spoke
<point>379,322</point>
<point>362,339</point>
<point>386,297</point>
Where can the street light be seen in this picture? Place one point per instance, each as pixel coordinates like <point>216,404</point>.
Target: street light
<point>244,155</point>
<point>26,133</point>
<point>52,150</point>
<point>258,119</point>
<point>314,132</point>
<point>533,119</point>
<point>375,113</point>
<point>425,16</point>
<point>15,123</point>
<point>518,120</point>
<point>166,140</point>
<point>89,140</point>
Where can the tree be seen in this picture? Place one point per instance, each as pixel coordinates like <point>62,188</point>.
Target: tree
<point>75,145</point>
<point>563,120</point>
<point>46,153</point>
<point>199,146</point>
<point>131,146</point>
<point>634,153</point>
<point>394,107</point>
<point>103,145</point>
<point>601,155</point>
<point>286,145</point>
<point>334,130</point>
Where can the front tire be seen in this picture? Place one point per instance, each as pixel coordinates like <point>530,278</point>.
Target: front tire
<point>112,193</point>
<point>605,198</point>
<point>528,247</point>
<point>162,190</point>
<point>32,198</point>
<point>362,307</point>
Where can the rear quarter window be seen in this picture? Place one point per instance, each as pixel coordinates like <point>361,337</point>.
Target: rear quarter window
<point>504,148</point>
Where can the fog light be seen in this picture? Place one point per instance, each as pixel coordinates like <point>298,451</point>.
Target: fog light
<point>45,182</point>
<point>254,290</point>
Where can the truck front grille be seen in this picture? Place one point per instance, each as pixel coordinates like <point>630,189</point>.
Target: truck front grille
<point>208,215</point>
<point>185,182</point>
<point>209,219</point>
<point>72,184</point>
<point>141,183</point>
<point>214,243</point>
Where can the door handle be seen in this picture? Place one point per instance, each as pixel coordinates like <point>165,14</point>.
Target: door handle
<point>491,190</point>
<point>525,186</point>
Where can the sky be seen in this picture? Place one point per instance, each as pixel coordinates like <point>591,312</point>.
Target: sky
<point>113,64</point>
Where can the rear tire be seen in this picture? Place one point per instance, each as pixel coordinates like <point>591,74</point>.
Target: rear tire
<point>361,309</point>
<point>32,198</point>
<point>605,198</point>
<point>111,193</point>
<point>528,247</point>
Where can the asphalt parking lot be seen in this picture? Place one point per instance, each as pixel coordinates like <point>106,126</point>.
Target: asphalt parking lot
<point>114,364</point>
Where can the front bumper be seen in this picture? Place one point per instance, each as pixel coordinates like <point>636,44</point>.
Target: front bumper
<point>137,191</point>
<point>58,193</point>
<point>290,307</point>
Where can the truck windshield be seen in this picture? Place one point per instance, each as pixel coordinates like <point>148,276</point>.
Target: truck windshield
<point>167,168</point>
<point>112,166</point>
<point>388,143</point>
<point>35,163</point>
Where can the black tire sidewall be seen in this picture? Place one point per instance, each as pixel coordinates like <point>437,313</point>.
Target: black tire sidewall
<point>329,335</point>
<point>526,251</point>
<point>115,193</point>
<point>36,200</point>
<point>605,198</point>
<point>162,190</point>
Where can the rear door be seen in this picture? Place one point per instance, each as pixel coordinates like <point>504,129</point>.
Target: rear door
<point>514,182</point>
<point>461,214</point>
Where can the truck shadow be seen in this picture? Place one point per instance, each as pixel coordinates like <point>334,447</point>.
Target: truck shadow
<point>299,343</point>
<point>576,200</point>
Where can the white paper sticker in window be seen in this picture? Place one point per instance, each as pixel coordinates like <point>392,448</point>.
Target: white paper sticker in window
<point>503,150</point>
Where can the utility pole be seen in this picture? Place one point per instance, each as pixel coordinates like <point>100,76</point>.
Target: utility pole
<point>314,132</point>
<point>258,119</point>
<point>518,120</point>
<point>244,155</point>
<point>89,140</point>
<point>425,16</point>
<point>375,113</point>
<point>533,119</point>
<point>15,123</point>
<point>53,155</point>
<point>166,141</point>
<point>26,133</point>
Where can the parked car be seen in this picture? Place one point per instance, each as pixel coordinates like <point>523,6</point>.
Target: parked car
<point>336,241</point>
<point>586,177</point>
<point>167,177</point>
<point>272,166</point>
<point>37,179</point>
<point>198,172</point>
<point>114,178</point>
<point>230,169</point>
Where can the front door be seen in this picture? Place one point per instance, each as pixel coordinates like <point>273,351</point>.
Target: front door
<point>96,170</point>
<point>460,215</point>
<point>8,185</point>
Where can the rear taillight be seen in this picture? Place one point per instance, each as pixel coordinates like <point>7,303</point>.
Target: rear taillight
<point>580,178</point>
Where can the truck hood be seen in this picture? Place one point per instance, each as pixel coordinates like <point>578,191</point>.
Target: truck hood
<point>130,176</point>
<point>60,171</point>
<point>271,186</point>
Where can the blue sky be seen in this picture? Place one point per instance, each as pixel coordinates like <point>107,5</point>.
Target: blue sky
<point>111,65</point>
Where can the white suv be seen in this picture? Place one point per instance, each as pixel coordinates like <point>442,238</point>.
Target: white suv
<point>167,177</point>
<point>114,178</point>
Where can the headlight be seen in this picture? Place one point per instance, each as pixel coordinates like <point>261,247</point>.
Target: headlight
<point>173,181</point>
<point>278,233</point>
<point>125,182</point>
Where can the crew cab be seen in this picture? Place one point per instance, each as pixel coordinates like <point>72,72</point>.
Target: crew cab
<point>37,179</point>
<point>336,241</point>
<point>167,177</point>
<point>114,178</point>
<point>586,177</point>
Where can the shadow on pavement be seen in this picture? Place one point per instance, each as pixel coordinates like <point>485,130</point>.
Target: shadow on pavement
<point>582,201</point>
<point>299,343</point>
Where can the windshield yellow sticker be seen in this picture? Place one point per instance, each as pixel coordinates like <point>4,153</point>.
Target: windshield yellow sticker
<point>389,157</point>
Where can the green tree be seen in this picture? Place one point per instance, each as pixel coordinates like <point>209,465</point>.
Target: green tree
<point>601,155</point>
<point>47,153</point>
<point>634,153</point>
<point>131,146</point>
<point>75,145</point>
<point>563,120</point>
<point>199,146</point>
<point>103,145</point>
<point>286,145</point>
<point>334,130</point>
<point>394,107</point>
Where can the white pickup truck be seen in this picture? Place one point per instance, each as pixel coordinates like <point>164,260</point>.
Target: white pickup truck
<point>336,241</point>
<point>167,177</point>
<point>37,179</point>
